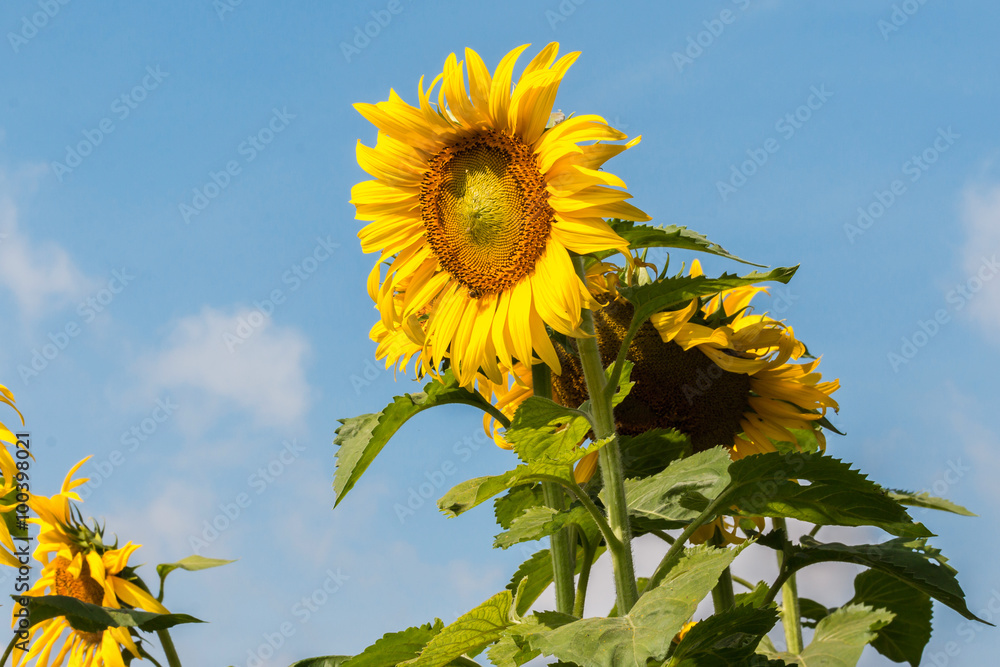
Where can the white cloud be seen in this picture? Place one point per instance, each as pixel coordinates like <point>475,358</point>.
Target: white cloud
<point>981,215</point>
<point>41,276</point>
<point>263,375</point>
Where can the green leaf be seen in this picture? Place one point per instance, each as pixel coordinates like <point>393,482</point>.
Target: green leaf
<point>647,630</point>
<point>812,612</point>
<point>191,563</point>
<point>87,617</point>
<point>763,485</point>
<point>472,631</point>
<point>912,561</point>
<point>755,597</point>
<point>839,639</point>
<point>395,647</point>
<point>667,292</point>
<point>904,639</point>
<point>651,452</point>
<point>727,638</point>
<point>683,490</point>
<point>538,522</point>
<point>360,439</point>
<point>513,650</point>
<point>544,430</point>
<point>924,499</point>
<point>536,573</point>
<point>669,236</point>
<point>509,652</point>
<point>514,502</point>
<point>463,497</point>
<point>324,661</point>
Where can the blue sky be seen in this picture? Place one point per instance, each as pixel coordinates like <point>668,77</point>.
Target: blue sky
<point>201,246</point>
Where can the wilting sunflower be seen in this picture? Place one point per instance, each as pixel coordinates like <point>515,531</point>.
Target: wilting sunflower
<point>77,563</point>
<point>476,207</point>
<point>733,383</point>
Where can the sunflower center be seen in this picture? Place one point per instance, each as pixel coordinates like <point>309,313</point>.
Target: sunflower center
<point>674,388</point>
<point>84,588</point>
<point>485,208</point>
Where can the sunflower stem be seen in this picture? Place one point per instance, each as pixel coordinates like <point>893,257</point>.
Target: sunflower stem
<point>790,612</point>
<point>589,547</point>
<point>560,543</point>
<point>168,648</point>
<point>610,458</point>
<point>677,548</point>
<point>723,596</point>
<point>10,648</point>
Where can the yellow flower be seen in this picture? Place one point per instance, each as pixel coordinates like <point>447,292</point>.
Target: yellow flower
<point>731,384</point>
<point>76,563</point>
<point>476,207</point>
<point>8,485</point>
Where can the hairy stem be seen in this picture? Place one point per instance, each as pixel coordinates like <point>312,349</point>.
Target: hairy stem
<point>609,457</point>
<point>790,613</point>
<point>560,543</point>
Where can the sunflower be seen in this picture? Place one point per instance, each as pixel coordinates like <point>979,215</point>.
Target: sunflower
<point>8,485</point>
<point>733,383</point>
<point>77,563</point>
<point>476,207</point>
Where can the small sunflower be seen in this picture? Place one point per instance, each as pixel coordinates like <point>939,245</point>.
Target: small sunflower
<point>8,483</point>
<point>78,564</point>
<point>733,383</point>
<point>476,208</point>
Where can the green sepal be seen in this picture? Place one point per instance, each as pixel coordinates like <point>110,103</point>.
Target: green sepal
<point>191,563</point>
<point>667,236</point>
<point>925,500</point>
<point>360,439</point>
<point>661,295</point>
<point>87,617</point>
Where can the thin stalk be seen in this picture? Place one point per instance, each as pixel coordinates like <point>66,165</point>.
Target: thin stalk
<point>791,617</point>
<point>596,514</point>
<point>610,458</point>
<point>677,549</point>
<point>560,543</point>
<point>723,597</point>
<point>10,648</point>
<point>669,539</point>
<point>743,582</point>
<point>581,590</point>
<point>168,648</point>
